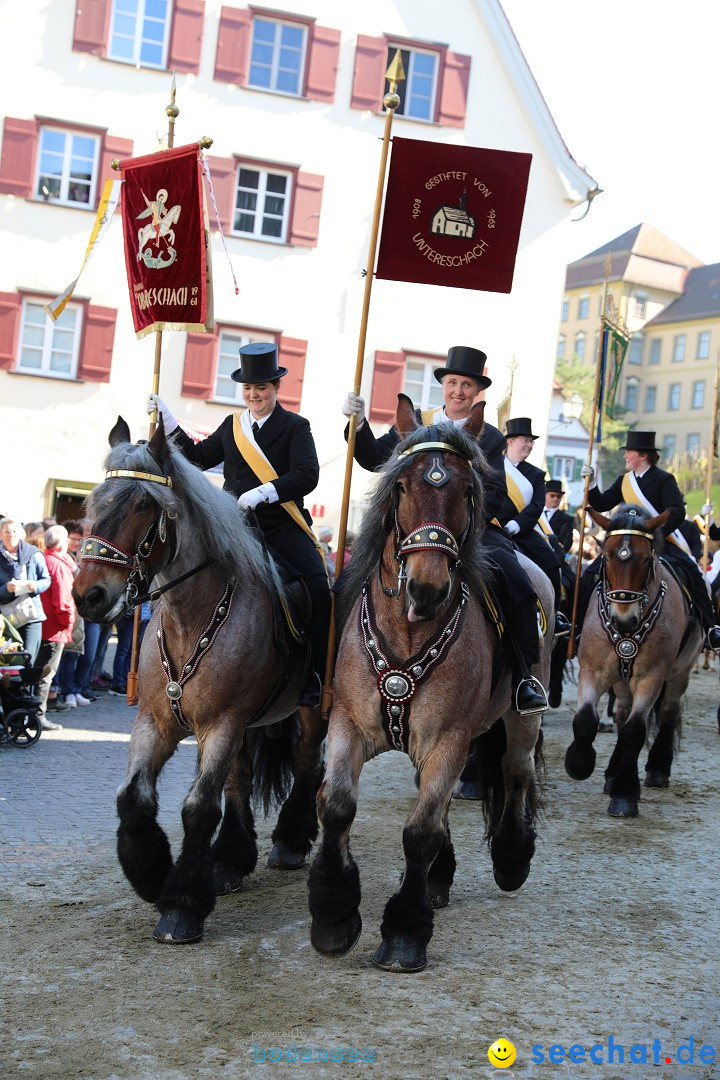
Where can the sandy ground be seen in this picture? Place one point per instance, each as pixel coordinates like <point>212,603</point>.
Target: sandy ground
<point>614,935</point>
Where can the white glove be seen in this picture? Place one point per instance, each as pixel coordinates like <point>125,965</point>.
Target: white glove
<point>354,405</point>
<point>512,528</point>
<point>707,510</point>
<point>588,472</point>
<point>169,422</point>
<point>266,493</point>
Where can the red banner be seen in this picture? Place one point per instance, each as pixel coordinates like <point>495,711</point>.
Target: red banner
<point>163,225</point>
<point>452,215</point>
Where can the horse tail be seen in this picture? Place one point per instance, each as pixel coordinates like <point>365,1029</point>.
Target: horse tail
<point>272,758</point>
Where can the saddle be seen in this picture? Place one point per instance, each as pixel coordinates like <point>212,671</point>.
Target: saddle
<point>291,614</point>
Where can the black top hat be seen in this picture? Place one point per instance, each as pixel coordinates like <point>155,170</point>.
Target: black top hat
<point>640,441</point>
<point>258,363</point>
<point>520,425</point>
<point>554,487</point>
<point>462,360</point>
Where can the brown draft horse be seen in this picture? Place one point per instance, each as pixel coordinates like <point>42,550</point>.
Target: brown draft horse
<point>422,531</point>
<point>211,664</point>
<point>639,639</point>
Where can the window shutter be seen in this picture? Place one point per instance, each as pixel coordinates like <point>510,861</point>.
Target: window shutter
<point>96,348</point>
<point>19,150</point>
<point>322,65</point>
<point>369,77</point>
<point>291,354</point>
<point>186,36</point>
<point>305,218</point>
<point>92,19</point>
<point>388,381</point>
<point>549,461</point>
<point>112,147</point>
<point>222,173</point>
<point>9,323</point>
<point>199,371</point>
<point>233,47</point>
<point>454,93</point>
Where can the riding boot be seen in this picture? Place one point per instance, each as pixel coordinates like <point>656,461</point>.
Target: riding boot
<point>588,583</point>
<point>528,694</point>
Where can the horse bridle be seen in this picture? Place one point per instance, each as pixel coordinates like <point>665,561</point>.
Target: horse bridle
<point>430,535</point>
<point>624,552</point>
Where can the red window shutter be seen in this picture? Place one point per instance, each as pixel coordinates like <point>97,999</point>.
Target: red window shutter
<point>199,371</point>
<point>322,64</point>
<point>186,36</point>
<point>92,22</point>
<point>9,323</point>
<point>305,217</point>
<point>19,150</point>
<point>96,348</point>
<point>112,147</point>
<point>369,77</point>
<point>233,47</point>
<point>291,354</point>
<point>388,381</point>
<point>223,172</point>
<point>454,92</point>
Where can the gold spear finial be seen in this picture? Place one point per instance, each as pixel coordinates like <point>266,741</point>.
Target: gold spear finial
<point>394,74</point>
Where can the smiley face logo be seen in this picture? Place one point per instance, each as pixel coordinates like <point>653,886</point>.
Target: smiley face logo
<point>502,1053</point>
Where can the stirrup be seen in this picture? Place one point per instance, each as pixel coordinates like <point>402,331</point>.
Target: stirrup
<point>529,697</point>
<point>712,639</point>
<point>562,625</point>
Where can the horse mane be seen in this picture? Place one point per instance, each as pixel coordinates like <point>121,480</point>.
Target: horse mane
<point>377,523</point>
<point>209,519</point>
<point>632,516</point>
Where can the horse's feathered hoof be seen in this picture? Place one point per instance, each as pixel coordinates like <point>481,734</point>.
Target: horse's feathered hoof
<point>438,894</point>
<point>653,778</point>
<point>579,764</point>
<point>621,807</point>
<point>510,882</point>
<point>336,940</point>
<point>282,858</point>
<point>178,928</point>
<point>467,789</point>
<point>607,786</point>
<point>226,880</point>
<point>402,954</point>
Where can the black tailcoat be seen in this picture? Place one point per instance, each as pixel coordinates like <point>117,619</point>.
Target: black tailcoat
<point>659,488</point>
<point>530,542</point>
<point>561,524</point>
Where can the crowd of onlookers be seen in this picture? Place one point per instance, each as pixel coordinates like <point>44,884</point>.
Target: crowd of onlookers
<point>38,563</point>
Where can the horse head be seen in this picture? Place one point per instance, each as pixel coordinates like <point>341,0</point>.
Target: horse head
<point>132,540</point>
<point>628,561</point>
<point>435,495</point>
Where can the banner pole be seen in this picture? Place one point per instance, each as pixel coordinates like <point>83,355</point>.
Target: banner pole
<point>711,462</point>
<point>394,74</point>
<point>172,113</point>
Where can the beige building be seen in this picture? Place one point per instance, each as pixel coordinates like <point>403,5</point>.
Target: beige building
<point>670,302</point>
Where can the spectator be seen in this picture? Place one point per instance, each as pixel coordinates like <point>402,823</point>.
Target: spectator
<point>325,535</point>
<point>347,554</point>
<point>59,608</point>
<point>123,649</point>
<point>35,534</point>
<point>22,571</point>
<point>69,685</point>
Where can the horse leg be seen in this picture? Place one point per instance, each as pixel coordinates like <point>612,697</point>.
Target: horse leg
<point>442,870</point>
<point>188,894</point>
<point>469,785</point>
<point>142,846</point>
<point>234,851</point>
<point>624,783</point>
<point>669,718</point>
<point>512,798</point>
<point>580,754</point>
<point>621,711</point>
<point>557,667</point>
<point>334,881</point>
<point>297,824</point>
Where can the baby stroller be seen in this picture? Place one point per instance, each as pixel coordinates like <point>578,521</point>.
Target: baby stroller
<point>19,719</point>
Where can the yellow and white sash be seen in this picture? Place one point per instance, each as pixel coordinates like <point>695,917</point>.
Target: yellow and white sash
<point>521,492</point>
<point>245,442</point>
<point>632,494</point>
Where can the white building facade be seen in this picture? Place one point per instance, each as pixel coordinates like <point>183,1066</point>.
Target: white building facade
<point>292,99</point>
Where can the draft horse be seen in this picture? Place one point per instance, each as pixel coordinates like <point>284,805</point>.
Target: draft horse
<point>212,663</point>
<point>640,639</point>
<point>413,590</point>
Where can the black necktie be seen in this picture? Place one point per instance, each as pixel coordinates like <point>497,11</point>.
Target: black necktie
<point>255,428</point>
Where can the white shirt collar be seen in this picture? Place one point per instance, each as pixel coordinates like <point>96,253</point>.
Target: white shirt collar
<point>639,474</point>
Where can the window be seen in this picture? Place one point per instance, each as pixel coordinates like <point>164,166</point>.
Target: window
<point>563,468</point>
<point>417,92</point>
<point>583,306</point>
<point>67,166</point>
<point>650,399</point>
<point>703,345</point>
<point>668,447</point>
<point>655,350</point>
<point>420,384</point>
<point>228,360</point>
<point>561,346</point>
<point>679,347</point>
<point>565,310</point>
<point>277,55</point>
<point>636,349</point>
<point>632,388</point>
<point>641,305</point>
<point>674,395</point>
<point>262,203</point>
<point>139,32</point>
<point>698,394</point>
<point>580,345</point>
<point>48,348</point>
<point>693,444</point>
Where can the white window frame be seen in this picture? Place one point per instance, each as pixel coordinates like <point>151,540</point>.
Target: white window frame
<point>679,346</point>
<point>140,17</point>
<point>66,178</point>
<point>563,468</point>
<point>635,349</point>
<point>703,345</point>
<point>51,335</point>
<point>277,45</point>
<point>655,347</point>
<point>565,310</point>
<point>230,338</point>
<point>693,436</point>
<point>650,394</point>
<point>407,96</point>
<point>561,346</point>
<point>669,444</point>
<point>632,386</point>
<point>264,171</point>
<point>641,305</point>
<point>674,395</point>
<point>583,306</point>
<point>697,400</point>
<point>580,336</point>
<point>428,384</point>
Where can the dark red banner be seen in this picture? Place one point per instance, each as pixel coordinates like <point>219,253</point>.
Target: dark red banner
<point>452,215</point>
<point>163,225</point>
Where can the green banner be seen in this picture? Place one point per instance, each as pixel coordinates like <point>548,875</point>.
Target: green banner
<point>615,345</point>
